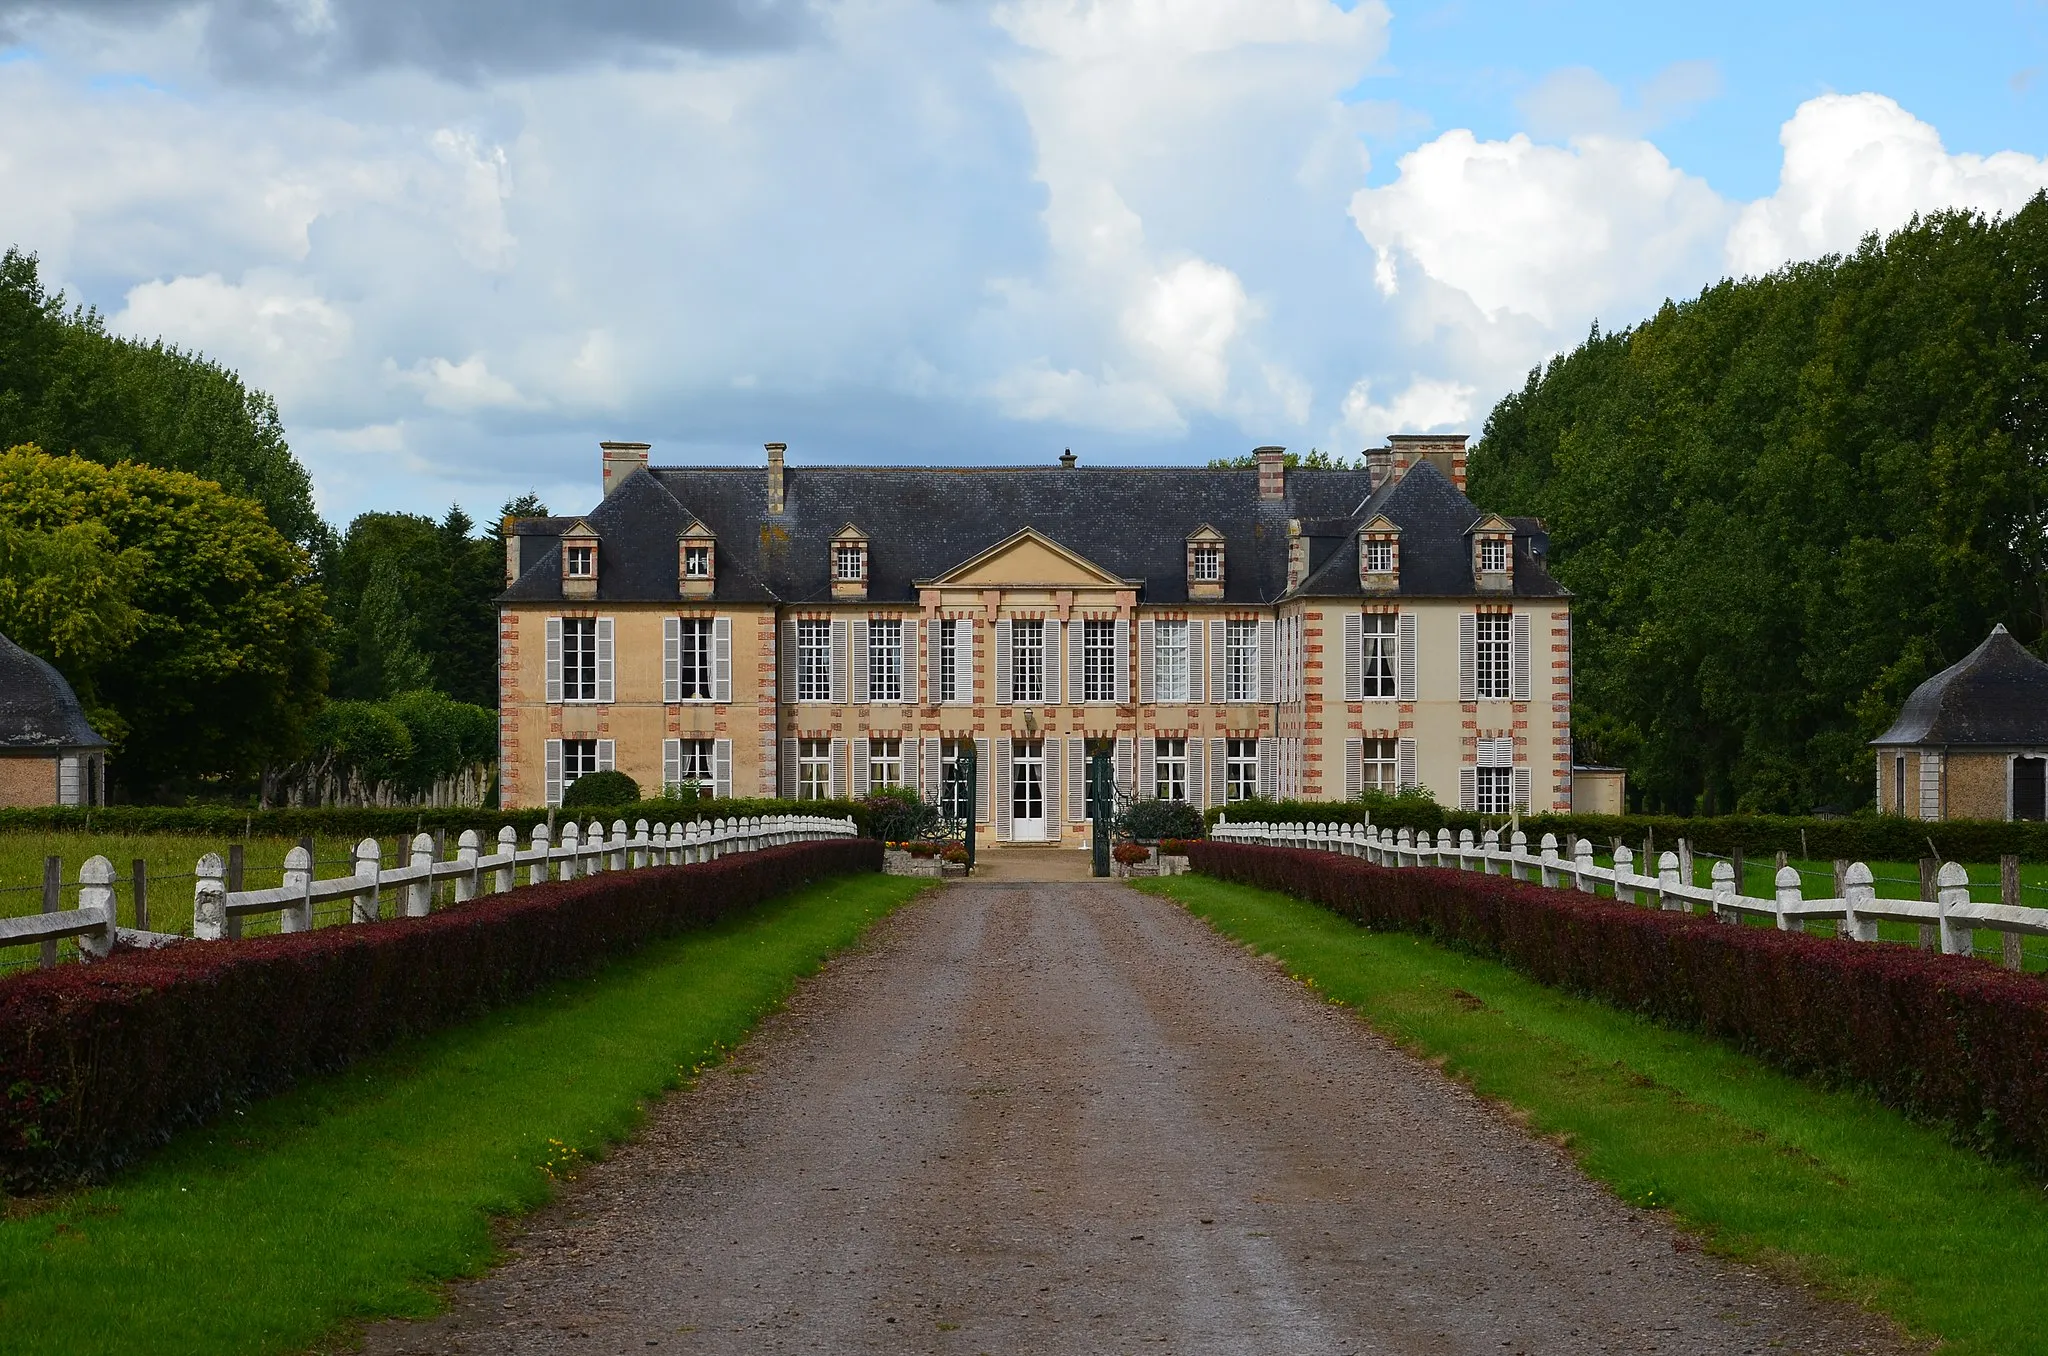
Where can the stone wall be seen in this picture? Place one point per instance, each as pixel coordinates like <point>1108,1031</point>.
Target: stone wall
<point>28,780</point>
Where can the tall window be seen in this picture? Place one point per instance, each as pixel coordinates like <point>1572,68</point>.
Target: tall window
<point>697,761</point>
<point>813,769</point>
<point>579,759</point>
<point>953,674</point>
<point>1208,563</point>
<point>1098,661</point>
<point>885,661</point>
<point>1027,661</point>
<point>582,561</point>
<point>1241,769</point>
<point>696,562</point>
<point>1241,661</point>
<point>1170,758</point>
<point>1379,556</point>
<point>1170,661</point>
<point>1380,766</point>
<point>814,661</point>
<point>1493,555</point>
<point>579,661</point>
<point>1490,674</point>
<point>885,763</point>
<point>1496,779</point>
<point>847,561</point>
<point>696,652</point>
<point>1376,656</point>
<point>956,795</point>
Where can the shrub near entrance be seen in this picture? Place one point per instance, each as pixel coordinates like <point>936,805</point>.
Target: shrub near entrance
<point>1949,1038</point>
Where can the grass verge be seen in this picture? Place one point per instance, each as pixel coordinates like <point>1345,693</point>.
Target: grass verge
<point>1763,1167</point>
<point>346,1200</point>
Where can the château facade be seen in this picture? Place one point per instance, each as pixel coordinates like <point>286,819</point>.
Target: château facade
<point>816,632</point>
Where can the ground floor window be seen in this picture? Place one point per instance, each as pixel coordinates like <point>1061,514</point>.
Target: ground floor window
<point>956,794</point>
<point>695,764</point>
<point>1170,778</point>
<point>1379,768</point>
<point>1496,790</point>
<point>885,763</point>
<point>1027,780</point>
<point>579,759</point>
<point>2029,788</point>
<point>813,769</point>
<point>1241,770</point>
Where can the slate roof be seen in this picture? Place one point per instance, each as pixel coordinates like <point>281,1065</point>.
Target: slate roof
<point>923,521</point>
<point>38,709</point>
<point>1995,697</point>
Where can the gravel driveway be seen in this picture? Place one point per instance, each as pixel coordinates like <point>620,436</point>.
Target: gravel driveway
<point>1069,1118</point>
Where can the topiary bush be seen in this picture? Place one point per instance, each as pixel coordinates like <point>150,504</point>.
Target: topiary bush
<point>600,791</point>
<point>1149,821</point>
<point>895,814</point>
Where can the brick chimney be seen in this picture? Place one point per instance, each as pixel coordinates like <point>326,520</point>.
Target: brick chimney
<point>1446,451</point>
<point>620,461</point>
<point>1379,463</point>
<point>1272,472</point>
<point>775,451</point>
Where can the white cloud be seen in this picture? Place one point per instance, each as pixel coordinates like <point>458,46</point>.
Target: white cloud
<point>462,388</point>
<point>1425,405</point>
<point>1858,163</point>
<point>1577,101</point>
<point>267,326</point>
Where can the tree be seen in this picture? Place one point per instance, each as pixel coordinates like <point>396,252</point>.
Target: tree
<point>1315,459</point>
<point>413,603</point>
<point>201,637</point>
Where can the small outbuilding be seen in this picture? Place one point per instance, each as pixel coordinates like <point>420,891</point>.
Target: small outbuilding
<point>49,753</point>
<point>1972,741</point>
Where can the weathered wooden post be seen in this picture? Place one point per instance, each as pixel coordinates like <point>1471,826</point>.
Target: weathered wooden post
<point>53,902</point>
<point>96,891</point>
<point>365,905</point>
<point>1842,892</point>
<point>138,876</point>
<point>1930,893</point>
<point>1723,874</point>
<point>1952,889</point>
<point>2011,951</point>
<point>210,899</point>
<point>298,879</point>
<point>508,847</point>
<point>538,871</point>
<point>237,862</point>
<point>467,851</point>
<point>1624,873</point>
<point>1789,897</point>
<point>1859,890</point>
<point>1667,884</point>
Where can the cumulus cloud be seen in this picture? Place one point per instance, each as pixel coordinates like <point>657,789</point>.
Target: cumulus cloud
<point>1424,405</point>
<point>268,322</point>
<point>1578,101</point>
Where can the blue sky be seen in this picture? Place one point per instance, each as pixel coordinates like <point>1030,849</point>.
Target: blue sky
<point>460,252</point>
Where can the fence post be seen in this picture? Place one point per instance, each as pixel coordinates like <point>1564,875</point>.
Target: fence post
<point>565,854</point>
<point>1465,849</point>
<point>1725,892</point>
<point>1582,865</point>
<point>641,842</point>
<point>366,905</point>
<point>1858,889</point>
<point>139,877</point>
<point>1624,873</point>
<point>593,847</point>
<point>210,898</point>
<point>1788,893</point>
<point>1952,887</point>
<point>1547,873</point>
<point>96,891</point>
<point>508,846</point>
<point>1667,884</point>
<point>466,852</point>
<point>1518,848</point>
<point>1685,872</point>
<point>298,876</point>
<point>538,872</point>
<point>2012,953</point>
<point>237,862</point>
<point>53,899</point>
<point>1930,893</point>
<point>419,896</point>
<point>619,858</point>
<point>1489,843</point>
<point>1842,892</point>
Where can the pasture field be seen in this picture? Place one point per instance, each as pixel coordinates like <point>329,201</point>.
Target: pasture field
<point>348,1199</point>
<point>1838,1189</point>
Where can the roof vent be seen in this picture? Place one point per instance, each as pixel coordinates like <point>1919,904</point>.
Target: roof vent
<point>1068,459</point>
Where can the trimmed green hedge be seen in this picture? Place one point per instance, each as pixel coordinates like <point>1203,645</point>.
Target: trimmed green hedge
<point>220,821</point>
<point>1861,838</point>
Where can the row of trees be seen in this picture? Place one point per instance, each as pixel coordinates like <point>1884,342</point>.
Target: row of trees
<point>1785,502</point>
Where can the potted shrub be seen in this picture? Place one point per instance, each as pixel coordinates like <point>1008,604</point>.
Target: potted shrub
<point>955,858</point>
<point>1130,856</point>
<point>1173,857</point>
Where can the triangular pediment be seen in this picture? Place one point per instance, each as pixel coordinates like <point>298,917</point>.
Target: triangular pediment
<point>1491,523</point>
<point>1026,559</point>
<point>1381,524</point>
<point>1205,533</point>
<point>582,530</point>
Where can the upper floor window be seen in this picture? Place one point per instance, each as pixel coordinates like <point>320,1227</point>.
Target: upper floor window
<point>1241,661</point>
<point>1379,556</point>
<point>1170,661</point>
<point>696,659</point>
<point>814,661</point>
<point>581,561</point>
<point>849,561</point>
<point>1493,555</point>
<point>1207,563</point>
<point>1098,661</point>
<point>696,562</point>
<point>579,659</point>
<point>954,676</point>
<point>1027,661</point>
<point>1377,654</point>
<point>885,661</point>
<point>1490,657</point>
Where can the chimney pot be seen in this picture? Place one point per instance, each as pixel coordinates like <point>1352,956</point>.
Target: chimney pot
<point>620,461</point>
<point>1068,459</point>
<point>775,451</point>
<point>1272,471</point>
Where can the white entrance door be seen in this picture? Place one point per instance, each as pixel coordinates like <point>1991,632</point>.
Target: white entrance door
<point>1027,791</point>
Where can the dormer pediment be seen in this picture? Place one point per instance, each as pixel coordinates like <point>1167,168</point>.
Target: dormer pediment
<point>849,533</point>
<point>1382,526</point>
<point>1205,533</point>
<point>1491,524</point>
<point>579,560</point>
<point>1026,559</point>
<point>697,531</point>
<point>581,530</point>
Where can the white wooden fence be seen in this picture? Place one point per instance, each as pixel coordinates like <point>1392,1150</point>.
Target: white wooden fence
<point>1952,914</point>
<point>218,913</point>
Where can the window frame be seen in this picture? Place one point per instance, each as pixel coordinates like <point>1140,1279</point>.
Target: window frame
<point>885,751</point>
<point>689,757</point>
<point>1240,770</point>
<point>1379,656</point>
<point>1027,640</point>
<point>1098,659</point>
<point>1379,555</point>
<point>1379,765</point>
<point>698,631</point>
<point>579,659</point>
<point>842,553</point>
<point>694,554</point>
<point>1493,555</point>
<point>1492,656</point>
<point>1170,768</point>
<point>814,769</point>
<point>885,659</point>
<point>1240,660</point>
<point>813,660</point>
<point>1205,562</point>
<point>578,750</point>
<point>949,661</point>
<point>1182,652</point>
<point>583,554</point>
<point>951,795</point>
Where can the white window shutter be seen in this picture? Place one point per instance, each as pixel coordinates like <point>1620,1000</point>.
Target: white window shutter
<point>931,659</point>
<point>721,768</point>
<point>604,659</point>
<point>1404,664</point>
<point>1354,768</point>
<point>1123,662</point>
<point>1354,657</point>
<point>1522,789</point>
<point>721,659</point>
<point>1050,779</point>
<point>1002,786</point>
<point>1077,631</point>
<point>1518,667</point>
<point>671,659</point>
<point>863,751</point>
<point>1148,688</point>
<point>1404,764</point>
<point>908,663</point>
<point>981,776</point>
<point>671,763</point>
<point>607,755</point>
<point>1198,785</point>
<point>836,787</point>
<point>934,771</point>
<point>860,661</point>
<point>1468,657</point>
<point>1003,662</point>
<point>786,786</point>
<point>552,772</point>
<point>838,662</point>
<point>785,666</point>
<point>1053,651</point>
<point>1930,784</point>
<point>1148,769</point>
<point>1197,670</point>
<point>1219,770</point>
<point>1266,658</point>
<point>67,781</point>
<point>1120,768</point>
<point>1468,788</point>
<point>1077,779</point>
<point>1268,751</point>
<point>554,661</point>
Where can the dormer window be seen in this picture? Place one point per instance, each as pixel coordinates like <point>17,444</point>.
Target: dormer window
<point>581,562</point>
<point>697,561</point>
<point>1206,563</point>
<point>1493,555</point>
<point>1379,557</point>
<point>849,562</point>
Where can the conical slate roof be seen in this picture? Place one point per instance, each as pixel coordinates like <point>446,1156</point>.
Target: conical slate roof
<point>1996,697</point>
<point>38,709</point>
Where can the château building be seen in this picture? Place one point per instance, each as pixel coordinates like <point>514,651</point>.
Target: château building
<point>817,631</point>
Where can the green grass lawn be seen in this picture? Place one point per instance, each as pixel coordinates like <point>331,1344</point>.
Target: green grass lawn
<point>1850,1195</point>
<point>346,1200</point>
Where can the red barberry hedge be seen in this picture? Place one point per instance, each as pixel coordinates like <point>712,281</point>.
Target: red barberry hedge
<point>99,1063</point>
<point>1946,1038</point>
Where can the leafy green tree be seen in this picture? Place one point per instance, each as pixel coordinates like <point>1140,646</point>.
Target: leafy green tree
<point>1788,500</point>
<point>364,740</point>
<point>202,637</point>
<point>1315,459</point>
<point>413,603</point>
